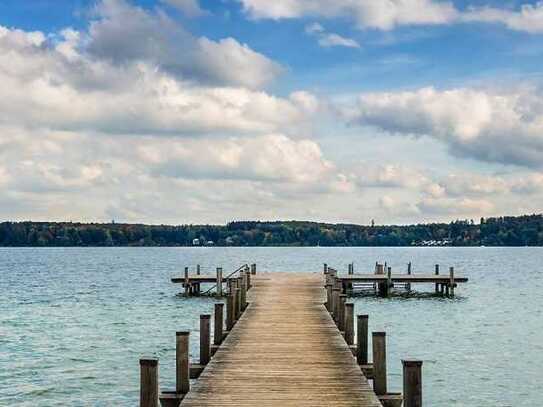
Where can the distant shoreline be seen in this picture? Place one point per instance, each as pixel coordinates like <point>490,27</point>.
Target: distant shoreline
<point>496,232</point>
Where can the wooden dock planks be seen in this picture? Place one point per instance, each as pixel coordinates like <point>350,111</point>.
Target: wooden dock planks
<point>284,351</point>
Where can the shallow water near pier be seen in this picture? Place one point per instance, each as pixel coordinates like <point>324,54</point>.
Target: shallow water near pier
<point>75,321</point>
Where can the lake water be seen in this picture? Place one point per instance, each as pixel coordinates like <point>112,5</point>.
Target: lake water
<point>74,321</point>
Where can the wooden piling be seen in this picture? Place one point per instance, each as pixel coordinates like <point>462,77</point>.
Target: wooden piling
<point>219,281</point>
<point>148,382</point>
<point>253,269</point>
<point>244,290</point>
<point>437,274</point>
<point>325,268</point>
<point>349,323</point>
<point>408,285</point>
<point>335,302</point>
<point>379,363</point>
<point>362,340</point>
<point>341,315</point>
<point>389,280</point>
<point>412,383</point>
<point>237,303</point>
<point>197,269</point>
<point>451,282</point>
<point>182,373</point>
<point>205,336</point>
<point>187,283</point>
<point>218,323</point>
<point>329,297</point>
<point>230,310</point>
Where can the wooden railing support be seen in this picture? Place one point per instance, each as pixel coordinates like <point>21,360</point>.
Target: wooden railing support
<point>412,383</point>
<point>341,315</point>
<point>362,340</point>
<point>230,311</point>
<point>219,281</point>
<point>148,382</point>
<point>218,324</point>
<point>187,284</point>
<point>205,337</point>
<point>379,363</point>
<point>182,383</point>
<point>437,274</point>
<point>349,323</point>
<point>451,282</point>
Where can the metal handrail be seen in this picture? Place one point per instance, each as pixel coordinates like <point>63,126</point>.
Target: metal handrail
<point>227,277</point>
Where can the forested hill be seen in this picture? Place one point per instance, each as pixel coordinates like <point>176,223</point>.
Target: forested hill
<point>503,231</point>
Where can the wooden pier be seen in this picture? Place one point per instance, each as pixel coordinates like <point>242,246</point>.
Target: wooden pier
<point>383,280</point>
<point>284,351</point>
<point>287,339</point>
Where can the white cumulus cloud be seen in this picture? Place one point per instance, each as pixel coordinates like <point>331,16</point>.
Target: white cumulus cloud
<point>485,124</point>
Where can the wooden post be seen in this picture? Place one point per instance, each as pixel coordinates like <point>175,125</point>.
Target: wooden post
<point>149,382</point>
<point>237,313</point>
<point>362,340</point>
<point>437,274</point>
<point>349,323</point>
<point>182,374</point>
<point>329,297</point>
<point>335,302</point>
<point>451,283</point>
<point>186,281</point>
<point>379,363</point>
<point>412,383</point>
<point>389,280</point>
<point>218,323</point>
<point>197,269</point>
<point>341,315</point>
<point>244,290</point>
<point>219,281</point>
<point>325,268</point>
<point>253,269</point>
<point>248,277</point>
<point>408,285</point>
<point>205,336</point>
<point>230,311</point>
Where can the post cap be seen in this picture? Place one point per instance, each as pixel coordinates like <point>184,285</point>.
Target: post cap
<point>205,316</point>
<point>363,316</point>
<point>411,362</point>
<point>349,304</point>
<point>148,361</point>
<point>378,333</point>
<point>182,333</point>
<point>219,304</point>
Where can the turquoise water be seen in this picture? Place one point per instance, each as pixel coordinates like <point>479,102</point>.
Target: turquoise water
<point>74,321</point>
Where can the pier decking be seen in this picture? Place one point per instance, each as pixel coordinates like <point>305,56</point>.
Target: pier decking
<point>284,351</point>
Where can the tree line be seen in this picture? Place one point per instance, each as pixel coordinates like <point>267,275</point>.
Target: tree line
<point>501,231</point>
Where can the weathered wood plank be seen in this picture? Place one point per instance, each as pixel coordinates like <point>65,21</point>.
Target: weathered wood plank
<point>285,350</point>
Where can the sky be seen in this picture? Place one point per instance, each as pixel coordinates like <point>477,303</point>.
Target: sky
<point>209,111</point>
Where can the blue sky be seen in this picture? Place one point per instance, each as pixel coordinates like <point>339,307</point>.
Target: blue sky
<point>402,111</point>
